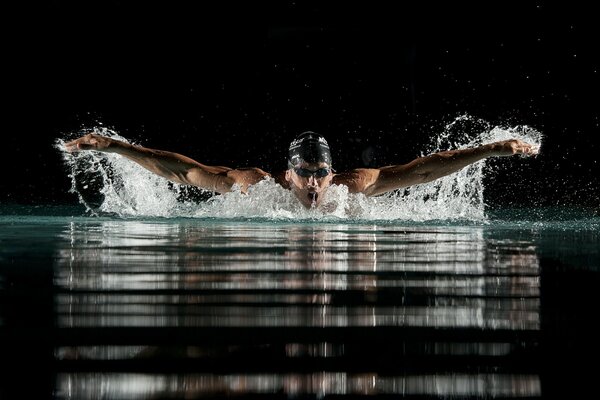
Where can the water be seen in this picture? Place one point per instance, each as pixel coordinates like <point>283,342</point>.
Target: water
<point>111,184</point>
<point>147,289</point>
<point>138,308</point>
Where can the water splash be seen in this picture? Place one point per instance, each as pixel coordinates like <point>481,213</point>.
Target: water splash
<point>109,183</point>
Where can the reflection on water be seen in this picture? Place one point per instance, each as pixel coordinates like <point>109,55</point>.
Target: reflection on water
<point>187,308</point>
<point>247,308</point>
<point>138,386</point>
<point>169,275</point>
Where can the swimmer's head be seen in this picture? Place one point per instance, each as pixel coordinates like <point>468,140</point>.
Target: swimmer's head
<point>309,171</point>
<point>308,147</point>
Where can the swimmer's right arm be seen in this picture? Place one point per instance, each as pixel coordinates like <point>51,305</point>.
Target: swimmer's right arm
<point>172,166</point>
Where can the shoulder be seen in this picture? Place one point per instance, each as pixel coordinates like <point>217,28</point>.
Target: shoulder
<point>358,180</point>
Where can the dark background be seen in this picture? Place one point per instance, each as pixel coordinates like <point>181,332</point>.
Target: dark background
<point>231,83</point>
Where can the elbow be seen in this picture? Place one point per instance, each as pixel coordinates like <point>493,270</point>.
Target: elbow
<point>216,183</point>
<point>205,180</point>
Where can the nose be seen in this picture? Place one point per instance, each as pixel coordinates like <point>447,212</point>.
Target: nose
<point>312,181</point>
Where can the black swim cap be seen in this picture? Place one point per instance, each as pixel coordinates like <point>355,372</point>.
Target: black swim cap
<point>309,147</point>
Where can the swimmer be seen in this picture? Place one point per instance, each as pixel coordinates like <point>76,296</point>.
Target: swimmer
<point>309,172</point>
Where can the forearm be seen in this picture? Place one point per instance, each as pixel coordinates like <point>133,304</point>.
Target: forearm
<point>444,163</point>
<point>426,169</point>
<point>175,167</point>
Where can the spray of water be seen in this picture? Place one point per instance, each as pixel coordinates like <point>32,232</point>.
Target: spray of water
<point>109,183</point>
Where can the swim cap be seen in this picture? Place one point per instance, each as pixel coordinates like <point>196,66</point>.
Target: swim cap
<point>309,147</point>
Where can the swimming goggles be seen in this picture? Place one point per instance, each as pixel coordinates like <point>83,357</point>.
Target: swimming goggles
<point>319,173</point>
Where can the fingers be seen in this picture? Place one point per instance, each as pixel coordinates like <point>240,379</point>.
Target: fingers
<point>72,146</point>
<point>529,149</point>
<point>87,142</point>
<point>520,147</point>
<point>515,146</point>
<point>77,145</point>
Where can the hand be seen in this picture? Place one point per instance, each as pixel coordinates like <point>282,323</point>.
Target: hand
<point>514,146</point>
<point>90,141</point>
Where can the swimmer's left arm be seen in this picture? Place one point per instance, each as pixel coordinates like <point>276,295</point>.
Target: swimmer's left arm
<point>426,169</point>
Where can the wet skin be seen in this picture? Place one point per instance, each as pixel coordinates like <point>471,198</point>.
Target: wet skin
<point>309,190</point>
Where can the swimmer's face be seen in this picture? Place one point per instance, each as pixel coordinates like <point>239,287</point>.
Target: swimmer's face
<point>309,182</point>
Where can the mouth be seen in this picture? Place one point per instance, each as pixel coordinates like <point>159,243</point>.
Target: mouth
<point>312,197</point>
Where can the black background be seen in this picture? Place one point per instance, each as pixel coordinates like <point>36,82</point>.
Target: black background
<point>231,83</point>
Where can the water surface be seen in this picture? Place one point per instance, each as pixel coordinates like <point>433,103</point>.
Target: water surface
<point>152,307</point>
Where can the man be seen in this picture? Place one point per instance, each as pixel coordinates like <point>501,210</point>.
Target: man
<point>309,172</point>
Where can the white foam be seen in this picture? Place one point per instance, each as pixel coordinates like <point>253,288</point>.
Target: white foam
<point>126,189</point>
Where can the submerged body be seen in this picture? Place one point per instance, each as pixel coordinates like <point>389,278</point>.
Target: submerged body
<point>309,173</point>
